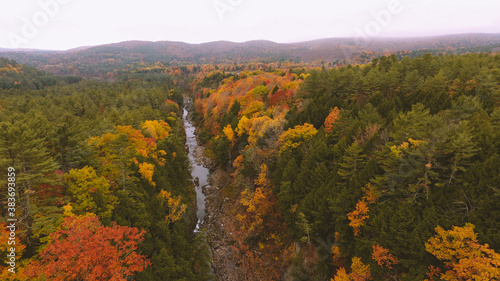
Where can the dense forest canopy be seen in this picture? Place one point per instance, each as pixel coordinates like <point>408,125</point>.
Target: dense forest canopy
<point>95,162</point>
<point>367,163</point>
<point>383,170</point>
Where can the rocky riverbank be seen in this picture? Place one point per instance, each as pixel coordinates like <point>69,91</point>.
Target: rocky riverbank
<point>218,222</point>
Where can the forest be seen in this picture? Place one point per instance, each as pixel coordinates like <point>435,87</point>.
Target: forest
<point>103,185</point>
<point>384,170</point>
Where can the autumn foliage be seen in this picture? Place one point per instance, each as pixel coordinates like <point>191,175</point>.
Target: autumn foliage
<point>463,256</point>
<point>146,170</point>
<point>359,272</point>
<point>383,258</point>
<point>85,250</point>
<point>259,204</point>
<point>281,96</point>
<point>294,137</point>
<point>5,250</point>
<point>358,217</point>
<point>401,131</point>
<point>372,194</point>
<point>118,150</point>
<point>173,203</point>
<point>156,129</point>
<point>90,193</point>
<point>331,119</point>
<point>259,238</point>
<point>336,256</point>
<point>228,131</point>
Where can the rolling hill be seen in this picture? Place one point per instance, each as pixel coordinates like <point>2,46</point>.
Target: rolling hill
<point>98,60</point>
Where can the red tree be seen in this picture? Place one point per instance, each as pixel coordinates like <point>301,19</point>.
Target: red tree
<point>85,250</point>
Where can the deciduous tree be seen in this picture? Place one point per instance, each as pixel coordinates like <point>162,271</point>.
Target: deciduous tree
<point>90,193</point>
<point>464,257</point>
<point>357,217</point>
<point>359,272</point>
<point>331,119</point>
<point>175,208</point>
<point>85,250</point>
<point>294,137</point>
<point>382,256</point>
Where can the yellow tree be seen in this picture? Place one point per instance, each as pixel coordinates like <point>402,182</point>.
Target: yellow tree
<point>175,208</point>
<point>462,254</point>
<point>156,129</point>
<point>357,217</point>
<point>90,193</point>
<point>146,170</point>
<point>297,135</point>
<point>262,180</point>
<point>253,107</point>
<point>138,143</point>
<point>359,272</point>
<point>117,151</point>
<point>243,126</point>
<point>228,131</point>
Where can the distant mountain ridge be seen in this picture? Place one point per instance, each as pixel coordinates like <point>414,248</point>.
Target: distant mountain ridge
<point>349,50</point>
<point>409,42</point>
<point>315,49</point>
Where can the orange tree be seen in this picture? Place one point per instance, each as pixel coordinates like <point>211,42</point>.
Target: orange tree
<point>85,250</point>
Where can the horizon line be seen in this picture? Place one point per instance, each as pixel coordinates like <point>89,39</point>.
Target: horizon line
<point>5,49</point>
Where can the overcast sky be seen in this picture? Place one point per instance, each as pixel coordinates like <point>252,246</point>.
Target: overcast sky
<point>65,24</point>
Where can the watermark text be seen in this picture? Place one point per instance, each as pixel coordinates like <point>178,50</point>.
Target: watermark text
<point>223,6</point>
<point>11,219</point>
<point>381,20</point>
<point>31,26</point>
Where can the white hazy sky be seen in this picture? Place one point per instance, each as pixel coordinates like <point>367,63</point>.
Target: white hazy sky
<point>65,24</point>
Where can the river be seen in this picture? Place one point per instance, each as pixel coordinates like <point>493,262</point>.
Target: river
<point>223,266</point>
<point>199,172</point>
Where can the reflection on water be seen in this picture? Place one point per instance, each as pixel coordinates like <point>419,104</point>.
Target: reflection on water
<point>199,172</point>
